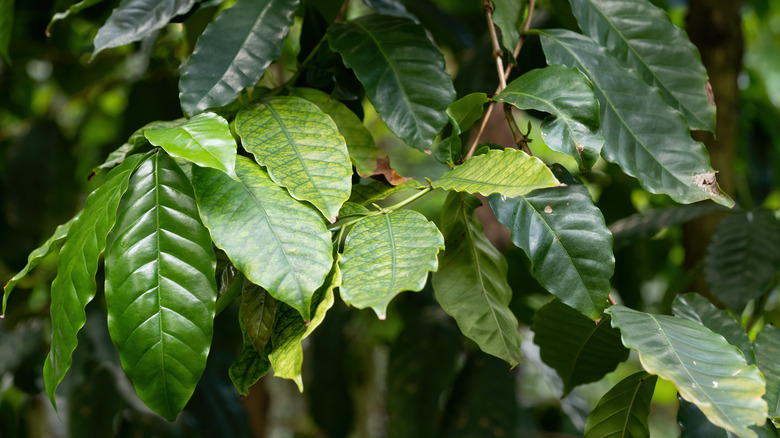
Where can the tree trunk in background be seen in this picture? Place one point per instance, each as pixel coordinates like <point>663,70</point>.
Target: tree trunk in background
<point>714,27</point>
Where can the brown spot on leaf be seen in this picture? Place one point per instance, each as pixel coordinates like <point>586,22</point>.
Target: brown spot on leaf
<point>710,95</point>
<point>707,181</point>
<point>548,209</point>
<point>383,169</point>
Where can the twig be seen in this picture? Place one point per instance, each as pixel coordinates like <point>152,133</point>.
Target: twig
<point>611,300</point>
<point>503,73</point>
<point>343,11</point>
<point>520,139</point>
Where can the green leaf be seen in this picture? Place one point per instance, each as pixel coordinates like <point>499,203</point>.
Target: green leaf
<point>471,284</point>
<point>742,257</point>
<point>373,191</point>
<point>204,139</point>
<point>565,237</point>
<point>50,245</point>
<point>360,144</point>
<point>290,329</point>
<point>767,347</point>
<point>422,364</point>
<point>390,7</point>
<point>509,172</point>
<point>651,141</point>
<point>74,287</point>
<point>233,52</point>
<point>462,114</point>
<point>72,9</point>
<point>698,309</point>
<point>134,20</point>
<point>259,310</point>
<point>508,16</point>
<point>250,365</point>
<point>623,410</point>
<point>310,159</point>
<point>160,286</point>
<point>276,241</point>
<point>643,38</point>
<point>694,424</point>
<point>385,255</point>
<point>6,26</point>
<point>647,224</point>
<point>402,72</point>
<point>579,350</point>
<point>707,370</point>
<point>134,143</point>
<point>567,94</point>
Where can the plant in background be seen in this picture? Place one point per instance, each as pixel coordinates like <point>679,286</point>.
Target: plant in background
<point>276,196</point>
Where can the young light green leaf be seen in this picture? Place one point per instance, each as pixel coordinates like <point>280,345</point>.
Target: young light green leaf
<point>471,283</point>
<point>694,424</point>
<point>160,286</point>
<point>50,245</point>
<point>650,142</point>
<point>290,329</point>
<point>250,365</point>
<point>742,257</point>
<point>310,159</point>
<point>508,16</point>
<point>373,191</point>
<point>134,20</point>
<point>276,241</point>
<point>567,95</point>
<point>623,410</point>
<point>74,287</point>
<point>707,370</point>
<point>204,139</point>
<point>698,309</point>
<point>385,255</point>
<point>509,172</point>
<point>259,310</point>
<point>579,350</point>
<point>233,52</point>
<point>360,144</point>
<point>565,237</point>
<point>767,347</point>
<point>643,38</point>
<point>6,26</point>
<point>424,361</point>
<point>402,72</point>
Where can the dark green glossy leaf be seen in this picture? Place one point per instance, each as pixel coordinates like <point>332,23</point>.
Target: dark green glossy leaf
<point>707,370</point>
<point>160,286</point>
<point>233,52</point>
<point>508,16</point>
<point>390,7</point>
<point>694,424</point>
<point>50,245</point>
<point>742,257</point>
<point>462,114</point>
<point>374,191</point>
<point>580,350</point>
<point>566,94</point>
<point>276,241</point>
<point>698,309</point>
<point>310,159</point>
<point>360,144</point>
<point>259,310</point>
<point>509,172</point>
<point>483,402</point>
<point>6,25</point>
<point>250,365</point>
<point>204,139</point>
<point>134,20</point>
<point>647,224</point>
<point>566,239</point>
<point>74,287</point>
<point>623,410</point>
<point>290,329</point>
<point>423,362</point>
<point>651,141</point>
<point>385,255</point>
<point>767,347</point>
<point>643,38</point>
<point>471,283</point>
<point>402,72</point>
